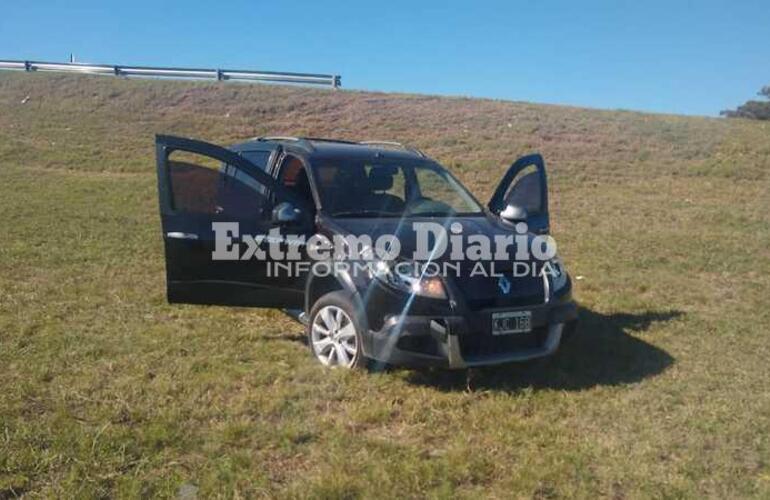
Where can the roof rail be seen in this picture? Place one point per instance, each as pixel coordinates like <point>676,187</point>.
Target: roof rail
<point>299,140</point>
<point>278,138</point>
<point>392,144</point>
<point>306,142</point>
<point>324,139</point>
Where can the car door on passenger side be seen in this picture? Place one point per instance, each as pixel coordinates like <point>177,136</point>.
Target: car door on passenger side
<point>522,195</point>
<point>206,211</point>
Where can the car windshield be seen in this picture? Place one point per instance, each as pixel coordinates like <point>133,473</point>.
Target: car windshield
<point>390,188</point>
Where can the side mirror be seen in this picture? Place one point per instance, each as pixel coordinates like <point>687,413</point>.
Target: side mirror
<point>514,213</point>
<point>285,213</point>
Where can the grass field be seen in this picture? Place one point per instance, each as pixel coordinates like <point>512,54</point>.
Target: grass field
<point>106,390</point>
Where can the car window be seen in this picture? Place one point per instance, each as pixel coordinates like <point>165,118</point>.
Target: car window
<point>388,188</point>
<point>258,158</point>
<point>387,180</point>
<point>293,177</point>
<point>200,186</point>
<point>434,187</point>
<point>526,190</point>
<point>243,178</point>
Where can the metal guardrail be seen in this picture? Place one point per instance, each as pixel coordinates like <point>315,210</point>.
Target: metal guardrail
<point>333,81</point>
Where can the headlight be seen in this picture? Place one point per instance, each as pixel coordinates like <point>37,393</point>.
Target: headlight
<point>557,273</point>
<point>408,277</point>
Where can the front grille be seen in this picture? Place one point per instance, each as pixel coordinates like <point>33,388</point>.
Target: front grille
<point>479,344</point>
<point>485,292</point>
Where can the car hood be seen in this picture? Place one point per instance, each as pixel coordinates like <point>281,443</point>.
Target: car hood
<point>479,290</point>
<point>404,229</point>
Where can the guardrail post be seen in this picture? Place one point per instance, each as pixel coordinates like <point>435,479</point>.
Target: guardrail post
<point>220,75</point>
<point>337,82</point>
<point>116,70</point>
<point>27,66</point>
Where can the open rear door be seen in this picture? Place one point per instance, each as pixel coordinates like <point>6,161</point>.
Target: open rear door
<point>522,195</point>
<point>200,185</point>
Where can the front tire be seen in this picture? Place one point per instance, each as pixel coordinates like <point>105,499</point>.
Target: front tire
<point>334,332</point>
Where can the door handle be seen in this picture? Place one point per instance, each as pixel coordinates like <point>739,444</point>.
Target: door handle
<point>181,236</point>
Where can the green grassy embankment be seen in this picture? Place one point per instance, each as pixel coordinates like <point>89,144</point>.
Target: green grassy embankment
<point>106,390</point>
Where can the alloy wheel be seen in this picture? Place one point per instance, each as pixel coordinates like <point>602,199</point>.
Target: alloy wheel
<point>333,336</point>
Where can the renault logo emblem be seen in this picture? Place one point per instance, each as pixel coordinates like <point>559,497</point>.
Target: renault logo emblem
<point>504,284</point>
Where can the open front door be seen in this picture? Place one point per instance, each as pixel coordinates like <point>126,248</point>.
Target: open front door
<point>522,195</point>
<point>204,189</point>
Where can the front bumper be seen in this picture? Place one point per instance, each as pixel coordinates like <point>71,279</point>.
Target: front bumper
<point>465,340</point>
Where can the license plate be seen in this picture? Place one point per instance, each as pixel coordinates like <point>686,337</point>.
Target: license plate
<point>505,323</point>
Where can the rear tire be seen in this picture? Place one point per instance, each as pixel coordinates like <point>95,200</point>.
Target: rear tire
<point>334,332</point>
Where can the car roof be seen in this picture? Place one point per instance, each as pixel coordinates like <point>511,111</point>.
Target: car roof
<point>320,148</point>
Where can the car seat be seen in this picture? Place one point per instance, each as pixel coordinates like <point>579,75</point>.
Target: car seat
<point>380,180</point>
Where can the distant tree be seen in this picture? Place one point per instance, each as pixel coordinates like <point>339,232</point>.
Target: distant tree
<point>755,110</point>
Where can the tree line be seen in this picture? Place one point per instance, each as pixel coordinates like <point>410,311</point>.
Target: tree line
<point>755,110</point>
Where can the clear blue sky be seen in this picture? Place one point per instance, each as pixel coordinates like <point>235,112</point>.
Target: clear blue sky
<point>694,57</point>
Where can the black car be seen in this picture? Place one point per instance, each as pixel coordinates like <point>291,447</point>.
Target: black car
<point>291,223</point>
